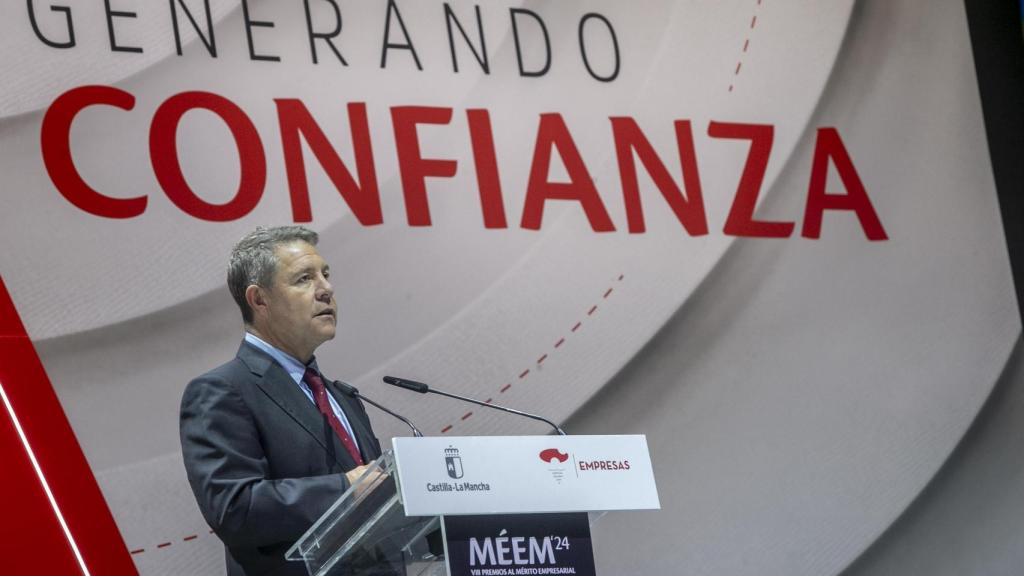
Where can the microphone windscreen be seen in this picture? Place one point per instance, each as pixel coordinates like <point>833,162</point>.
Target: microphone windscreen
<point>407,384</point>
<point>347,389</point>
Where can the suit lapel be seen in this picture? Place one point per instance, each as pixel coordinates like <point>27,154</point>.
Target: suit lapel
<point>282,390</point>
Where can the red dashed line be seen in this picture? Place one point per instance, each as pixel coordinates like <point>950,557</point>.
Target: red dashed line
<point>558,344</point>
<point>188,538</point>
<point>746,46</point>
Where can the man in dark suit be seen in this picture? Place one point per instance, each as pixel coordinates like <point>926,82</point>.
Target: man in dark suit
<point>268,442</point>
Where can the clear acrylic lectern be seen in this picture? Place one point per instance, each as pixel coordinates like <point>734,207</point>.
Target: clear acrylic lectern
<point>366,533</point>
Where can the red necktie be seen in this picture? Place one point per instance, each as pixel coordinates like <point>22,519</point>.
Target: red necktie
<point>316,384</point>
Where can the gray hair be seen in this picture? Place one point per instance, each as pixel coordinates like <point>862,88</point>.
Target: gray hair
<point>253,260</point>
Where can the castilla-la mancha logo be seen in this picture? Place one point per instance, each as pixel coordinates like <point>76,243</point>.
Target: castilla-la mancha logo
<point>453,462</point>
<point>554,457</point>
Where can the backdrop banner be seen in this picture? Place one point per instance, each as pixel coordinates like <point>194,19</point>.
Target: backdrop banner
<point>763,234</point>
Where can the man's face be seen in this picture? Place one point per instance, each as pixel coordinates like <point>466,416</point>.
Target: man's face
<point>301,312</point>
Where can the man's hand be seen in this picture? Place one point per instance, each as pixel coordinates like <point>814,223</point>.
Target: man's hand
<point>353,475</point>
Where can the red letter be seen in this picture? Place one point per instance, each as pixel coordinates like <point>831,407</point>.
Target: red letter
<point>741,216</point>
<point>486,165</point>
<point>829,145</point>
<point>56,148</point>
<point>689,209</point>
<point>163,153</point>
<point>364,201</point>
<point>553,132</point>
<point>415,168</point>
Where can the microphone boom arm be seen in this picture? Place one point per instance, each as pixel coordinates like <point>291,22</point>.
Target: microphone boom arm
<point>354,392</point>
<point>502,408</point>
<point>423,389</point>
<point>415,431</point>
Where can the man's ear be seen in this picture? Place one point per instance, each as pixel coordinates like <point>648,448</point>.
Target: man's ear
<point>257,299</point>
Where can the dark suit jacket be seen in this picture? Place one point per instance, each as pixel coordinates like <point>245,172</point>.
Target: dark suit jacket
<point>263,462</point>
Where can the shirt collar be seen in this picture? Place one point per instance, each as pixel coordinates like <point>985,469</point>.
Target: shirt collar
<point>291,365</point>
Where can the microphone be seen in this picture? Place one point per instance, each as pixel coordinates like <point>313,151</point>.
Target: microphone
<point>353,392</point>
<point>407,384</point>
<point>423,389</point>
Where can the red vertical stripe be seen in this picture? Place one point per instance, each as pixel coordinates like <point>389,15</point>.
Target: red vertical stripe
<point>31,538</point>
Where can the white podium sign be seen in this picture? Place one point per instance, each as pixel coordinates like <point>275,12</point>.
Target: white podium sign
<point>520,474</point>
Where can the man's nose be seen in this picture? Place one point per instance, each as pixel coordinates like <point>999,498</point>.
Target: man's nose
<point>325,291</point>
